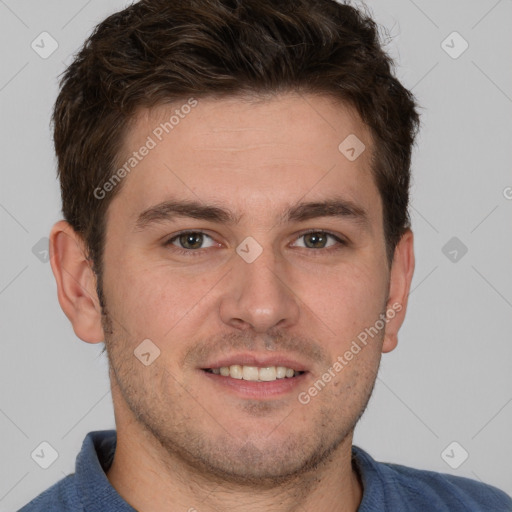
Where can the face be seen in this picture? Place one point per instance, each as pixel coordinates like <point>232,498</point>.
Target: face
<point>281,263</point>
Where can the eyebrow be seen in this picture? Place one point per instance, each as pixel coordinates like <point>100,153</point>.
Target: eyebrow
<point>171,209</point>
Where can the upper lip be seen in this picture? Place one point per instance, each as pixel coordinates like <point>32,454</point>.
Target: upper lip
<point>261,360</point>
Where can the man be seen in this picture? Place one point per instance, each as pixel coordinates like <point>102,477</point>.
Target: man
<point>235,186</point>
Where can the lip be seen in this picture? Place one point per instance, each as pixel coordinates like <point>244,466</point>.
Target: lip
<point>261,360</point>
<point>258,390</point>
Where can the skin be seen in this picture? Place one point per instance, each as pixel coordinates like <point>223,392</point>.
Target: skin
<point>183,442</point>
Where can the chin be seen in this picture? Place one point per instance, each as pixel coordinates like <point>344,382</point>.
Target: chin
<point>263,462</point>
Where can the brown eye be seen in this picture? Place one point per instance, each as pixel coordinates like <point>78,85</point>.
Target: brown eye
<point>315,240</point>
<point>189,240</point>
<point>320,240</point>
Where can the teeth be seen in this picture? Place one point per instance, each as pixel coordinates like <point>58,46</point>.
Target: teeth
<point>267,374</point>
<point>280,372</point>
<point>250,372</point>
<point>255,373</point>
<point>235,371</point>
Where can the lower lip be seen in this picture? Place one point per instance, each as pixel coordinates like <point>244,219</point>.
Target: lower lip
<point>257,390</point>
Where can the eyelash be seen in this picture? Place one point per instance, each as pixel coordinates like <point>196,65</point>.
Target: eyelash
<point>197,252</point>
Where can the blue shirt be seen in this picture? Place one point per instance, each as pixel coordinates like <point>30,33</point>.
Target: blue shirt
<point>386,487</point>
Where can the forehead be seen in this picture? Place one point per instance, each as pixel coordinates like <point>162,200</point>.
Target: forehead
<point>247,153</point>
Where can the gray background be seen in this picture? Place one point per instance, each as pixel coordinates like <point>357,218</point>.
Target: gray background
<point>450,377</point>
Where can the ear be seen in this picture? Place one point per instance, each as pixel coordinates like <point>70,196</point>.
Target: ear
<point>76,282</point>
<point>402,269</point>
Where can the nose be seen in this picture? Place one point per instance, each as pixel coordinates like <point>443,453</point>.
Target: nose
<point>259,295</point>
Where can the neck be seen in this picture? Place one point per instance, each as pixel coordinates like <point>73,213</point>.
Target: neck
<point>150,480</point>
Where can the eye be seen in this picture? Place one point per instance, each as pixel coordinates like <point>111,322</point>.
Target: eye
<point>189,241</point>
<point>319,240</point>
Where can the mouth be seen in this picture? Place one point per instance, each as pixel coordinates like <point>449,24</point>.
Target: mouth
<point>257,376</point>
<point>247,377</point>
<point>255,373</point>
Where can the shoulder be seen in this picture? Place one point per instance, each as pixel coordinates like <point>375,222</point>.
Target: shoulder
<point>397,487</point>
<point>88,487</point>
<point>60,497</point>
<point>449,491</point>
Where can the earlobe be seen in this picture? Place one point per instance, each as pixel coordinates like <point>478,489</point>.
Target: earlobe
<point>76,282</point>
<point>402,270</point>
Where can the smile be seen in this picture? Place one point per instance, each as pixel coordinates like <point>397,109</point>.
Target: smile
<point>255,373</point>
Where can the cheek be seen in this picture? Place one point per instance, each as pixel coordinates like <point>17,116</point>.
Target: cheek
<point>347,299</point>
<point>152,301</point>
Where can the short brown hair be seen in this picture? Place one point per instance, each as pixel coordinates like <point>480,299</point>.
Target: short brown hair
<point>158,51</point>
